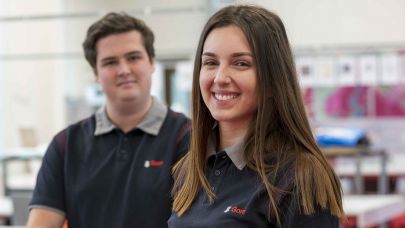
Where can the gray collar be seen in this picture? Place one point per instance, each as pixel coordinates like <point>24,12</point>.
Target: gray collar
<point>234,152</point>
<point>151,124</point>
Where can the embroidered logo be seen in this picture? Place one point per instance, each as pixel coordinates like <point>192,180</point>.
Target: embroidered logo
<point>235,210</point>
<point>153,163</point>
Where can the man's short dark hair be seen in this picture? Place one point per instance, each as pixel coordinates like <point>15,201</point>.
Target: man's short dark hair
<point>116,23</point>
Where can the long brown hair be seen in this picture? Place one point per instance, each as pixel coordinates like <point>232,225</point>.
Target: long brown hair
<point>279,130</point>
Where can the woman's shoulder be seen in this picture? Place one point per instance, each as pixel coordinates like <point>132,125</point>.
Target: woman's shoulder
<point>293,216</point>
<point>284,173</point>
<point>294,210</point>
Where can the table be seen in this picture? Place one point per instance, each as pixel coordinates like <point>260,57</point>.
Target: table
<point>373,209</point>
<point>359,153</point>
<point>12,226</point>
<point>19,154</point>
<point>6,208</point>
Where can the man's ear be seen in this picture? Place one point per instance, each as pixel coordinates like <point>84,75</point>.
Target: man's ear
<point>95,75</point>
<point>153,61</point>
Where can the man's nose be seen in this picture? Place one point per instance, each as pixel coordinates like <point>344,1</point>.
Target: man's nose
<point>124,68</point>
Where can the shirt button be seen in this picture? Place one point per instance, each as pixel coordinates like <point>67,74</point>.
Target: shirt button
<point>123,151</point>
<point>217,172</point>
<point>213,188</point>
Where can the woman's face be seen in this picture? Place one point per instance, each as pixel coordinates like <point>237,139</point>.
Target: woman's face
<point>228,76</point>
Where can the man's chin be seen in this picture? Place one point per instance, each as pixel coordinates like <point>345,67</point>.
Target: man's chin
<point>130,98</point>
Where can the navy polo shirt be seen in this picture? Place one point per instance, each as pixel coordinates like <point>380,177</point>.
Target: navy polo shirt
<point>98,176</point>
<point>241,199</point>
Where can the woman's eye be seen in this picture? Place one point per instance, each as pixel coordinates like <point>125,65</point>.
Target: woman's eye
<point>209,63</point>
<point>242,64</point>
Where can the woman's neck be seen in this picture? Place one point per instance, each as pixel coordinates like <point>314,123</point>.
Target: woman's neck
<point>230,133</point>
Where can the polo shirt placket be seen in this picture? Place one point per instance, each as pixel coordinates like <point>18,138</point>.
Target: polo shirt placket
<point>216,171</point>
<point>124,147</point>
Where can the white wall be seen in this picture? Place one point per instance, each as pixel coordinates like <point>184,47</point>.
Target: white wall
<point>22,7</point>
<point>176,32</point>
<point>32,83</point>
<point>2,108</point>
<point>344,22</point>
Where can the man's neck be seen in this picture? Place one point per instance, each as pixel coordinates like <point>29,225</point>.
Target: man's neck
<point>126,116</point>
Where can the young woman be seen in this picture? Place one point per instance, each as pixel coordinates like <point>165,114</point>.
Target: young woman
<point>253,160</point>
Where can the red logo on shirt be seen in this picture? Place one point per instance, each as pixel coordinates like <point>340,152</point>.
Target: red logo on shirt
<point>235,210</point>
<point>153,163</point>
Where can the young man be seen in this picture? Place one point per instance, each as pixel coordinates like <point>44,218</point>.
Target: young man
<point>113,169</point>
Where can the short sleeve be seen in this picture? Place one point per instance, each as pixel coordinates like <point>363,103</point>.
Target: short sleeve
<point>49,189</point>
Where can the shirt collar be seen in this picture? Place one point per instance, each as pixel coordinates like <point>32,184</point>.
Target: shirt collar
<point>234,152</point>
<point>151,124</point>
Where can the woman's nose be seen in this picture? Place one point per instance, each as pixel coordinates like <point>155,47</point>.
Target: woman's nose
<point>222,75</point>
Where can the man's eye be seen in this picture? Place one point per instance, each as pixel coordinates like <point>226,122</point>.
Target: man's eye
<point>133,58</point>
<point>108,63</point>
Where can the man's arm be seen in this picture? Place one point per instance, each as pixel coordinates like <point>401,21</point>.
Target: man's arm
<point>47,206</point>
<point>44,218</point>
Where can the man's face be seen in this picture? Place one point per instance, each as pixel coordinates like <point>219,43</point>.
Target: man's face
<point>123,68</point>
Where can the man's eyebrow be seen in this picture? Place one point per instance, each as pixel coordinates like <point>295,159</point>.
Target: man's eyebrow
<point>133,53</point>
<point>109,58</point>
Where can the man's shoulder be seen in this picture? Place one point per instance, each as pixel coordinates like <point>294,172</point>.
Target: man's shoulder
<point>85,125</point>
<point>177,120</point>
<point>173,115</point>
<point>180,123</point>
